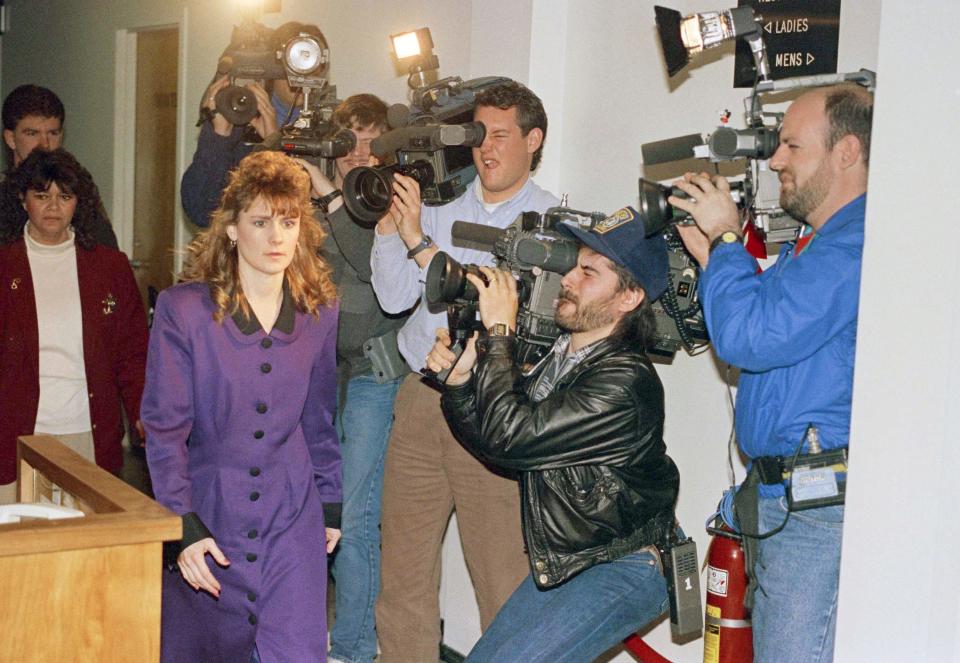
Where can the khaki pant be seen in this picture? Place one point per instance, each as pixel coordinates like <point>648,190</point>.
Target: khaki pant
<point>82,443</point>
<point>428,475</point>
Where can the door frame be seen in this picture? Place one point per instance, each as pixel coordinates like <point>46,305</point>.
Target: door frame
<point>124,135</point>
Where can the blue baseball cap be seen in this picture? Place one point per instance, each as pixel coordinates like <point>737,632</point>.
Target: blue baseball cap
<point>621,237</point>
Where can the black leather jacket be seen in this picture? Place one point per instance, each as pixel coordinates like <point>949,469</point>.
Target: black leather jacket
<point>595,480</point>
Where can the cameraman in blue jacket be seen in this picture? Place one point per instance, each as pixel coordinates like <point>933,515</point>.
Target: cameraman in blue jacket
<point>791,331</point>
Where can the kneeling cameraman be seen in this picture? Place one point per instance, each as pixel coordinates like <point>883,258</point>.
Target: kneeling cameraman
<point>584,432</point>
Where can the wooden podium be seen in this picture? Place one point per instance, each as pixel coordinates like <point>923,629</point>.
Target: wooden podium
<point>81,589</point>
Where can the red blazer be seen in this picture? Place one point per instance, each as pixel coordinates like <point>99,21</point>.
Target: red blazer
<point>114,350</point>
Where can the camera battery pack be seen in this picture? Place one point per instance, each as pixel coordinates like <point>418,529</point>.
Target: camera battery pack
<point>683,587</point>
<point>820,480</point>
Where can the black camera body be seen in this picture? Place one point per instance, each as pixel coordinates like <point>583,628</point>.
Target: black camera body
<point>251,54</point>
<point>677,313</point>
<point>368,191</point>
<point>537,255</point>
<point>429,140</point>
<point>303,61</point>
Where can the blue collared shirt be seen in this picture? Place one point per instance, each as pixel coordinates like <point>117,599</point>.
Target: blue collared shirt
<point>792,331</point>
<point>399,281</point>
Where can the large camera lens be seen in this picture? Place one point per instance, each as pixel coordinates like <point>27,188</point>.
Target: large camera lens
<point>368,192</point>
<point>236,104</point>
<point>447,281</point>
<point>656,213</point>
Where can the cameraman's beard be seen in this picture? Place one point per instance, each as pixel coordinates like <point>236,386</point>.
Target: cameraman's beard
<point>586,318</point>
<point>802,202</point>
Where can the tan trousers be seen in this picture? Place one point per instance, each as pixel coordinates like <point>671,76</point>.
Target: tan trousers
<point>82,443</point>
<point>427,475</point>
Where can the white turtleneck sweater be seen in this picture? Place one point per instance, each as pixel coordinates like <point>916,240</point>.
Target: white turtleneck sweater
<point>64,406</point>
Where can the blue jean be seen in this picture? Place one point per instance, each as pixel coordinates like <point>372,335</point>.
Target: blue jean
<point>364,426</point>
<point>798,572</point>
<point>578,620</point>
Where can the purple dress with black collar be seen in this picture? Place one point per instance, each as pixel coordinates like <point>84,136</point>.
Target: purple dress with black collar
<point>241,442</point>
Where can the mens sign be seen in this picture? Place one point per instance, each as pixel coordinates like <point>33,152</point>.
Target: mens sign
<point>801,36</point>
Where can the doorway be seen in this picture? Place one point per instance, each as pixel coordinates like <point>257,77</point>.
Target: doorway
<point>151,170</point>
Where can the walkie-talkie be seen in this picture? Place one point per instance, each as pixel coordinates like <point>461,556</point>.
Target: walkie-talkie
<point>683,587</point>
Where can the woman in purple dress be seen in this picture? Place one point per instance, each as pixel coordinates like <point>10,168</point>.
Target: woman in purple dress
<point>238,409</point>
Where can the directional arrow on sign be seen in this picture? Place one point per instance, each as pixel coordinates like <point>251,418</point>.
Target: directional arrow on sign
<point>768,28</point>
<point>810,58</point>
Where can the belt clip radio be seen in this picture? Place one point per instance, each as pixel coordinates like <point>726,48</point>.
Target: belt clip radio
<point>818,478</point>
<point>683,587</point>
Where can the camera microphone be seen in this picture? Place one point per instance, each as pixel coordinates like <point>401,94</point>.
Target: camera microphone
<point>398,116</point>
<point>671,149</point>
<point>428,139</point>
<point>756,143</point>
<point>475,236</point>
<point>522,248</point>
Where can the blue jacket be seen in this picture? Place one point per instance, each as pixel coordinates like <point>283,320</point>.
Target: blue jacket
<point>792,331</point>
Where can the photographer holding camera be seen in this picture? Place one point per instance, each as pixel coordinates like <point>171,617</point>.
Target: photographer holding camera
<point>792,332</point>
<point>428,473</point>
<point>370,370</point>
<point>584,431</point>
<point>220,146</point>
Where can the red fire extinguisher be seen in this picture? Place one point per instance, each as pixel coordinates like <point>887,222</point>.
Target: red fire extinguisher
<point>728,636</point>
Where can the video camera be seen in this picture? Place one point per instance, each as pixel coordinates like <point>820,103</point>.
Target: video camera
<point>429,141</point>
<point>536,254</point>
<point>539,256</point>
<point>757,194</point>
<point>302,61</point>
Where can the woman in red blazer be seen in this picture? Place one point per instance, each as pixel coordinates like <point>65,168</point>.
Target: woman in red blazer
<point>49,206</point>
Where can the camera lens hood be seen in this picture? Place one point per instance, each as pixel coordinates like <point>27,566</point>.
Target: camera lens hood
<point>236,104</point>
<point>367,193</point>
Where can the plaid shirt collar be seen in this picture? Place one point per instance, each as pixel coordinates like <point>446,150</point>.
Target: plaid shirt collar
<point>562,345</point>
<point>558,363</point>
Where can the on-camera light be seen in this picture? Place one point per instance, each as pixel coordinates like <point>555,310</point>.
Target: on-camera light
<point>304,54</point>
<point>414,50</point>
<point>684,36</point>
<point>412,44</point>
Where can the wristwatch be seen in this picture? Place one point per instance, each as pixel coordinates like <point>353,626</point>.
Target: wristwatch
<point>728,237</point>
<point>425,243</point>
<point>499,329</point>
<point>323,202</point>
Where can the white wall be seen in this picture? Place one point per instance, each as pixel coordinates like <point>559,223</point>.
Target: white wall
<point>598,67</point>
<point>899,575</point>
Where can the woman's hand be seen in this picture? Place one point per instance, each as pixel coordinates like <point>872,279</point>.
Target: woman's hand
<point>333,537</point>
<point>221,126</point>
<point>193,565</point>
